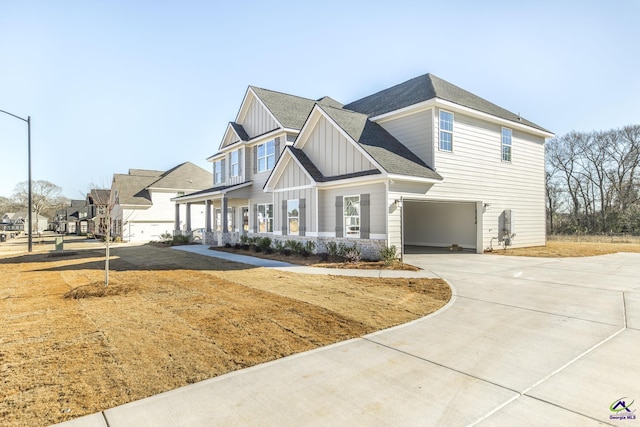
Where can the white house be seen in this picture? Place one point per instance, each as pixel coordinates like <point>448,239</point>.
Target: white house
<point>142,207</point>
<point>422,163</point>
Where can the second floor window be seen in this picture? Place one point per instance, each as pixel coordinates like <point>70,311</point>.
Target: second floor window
<point>506,144</point>
<point>218,172</point>
<point>235,163</point>
<point>446,131</point>
<point>266,156</point>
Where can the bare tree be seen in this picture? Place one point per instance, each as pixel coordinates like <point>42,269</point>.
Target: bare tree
<point>103,203</point>
<point>44,195</point>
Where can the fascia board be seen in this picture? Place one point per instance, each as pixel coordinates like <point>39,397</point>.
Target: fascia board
<point>350,182</point>
<point>414,179</point>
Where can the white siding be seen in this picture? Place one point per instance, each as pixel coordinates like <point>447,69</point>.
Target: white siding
<point>332,153</point>
<point>474,171</point>
<point>415,132</point>
<point>258,120</point>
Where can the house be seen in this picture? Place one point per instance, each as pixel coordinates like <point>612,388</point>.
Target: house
<point>18,222</point>
<point>423,163</point>
<point>142,209</point>
<point>97,206</point>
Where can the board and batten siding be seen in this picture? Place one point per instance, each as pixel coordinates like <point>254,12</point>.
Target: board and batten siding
<point>415,132</point>
<point>332,153</point>
<point>474,171</point>
<point>378,208</point>
<point>310,209</point>
<point>229,139</point>
<point>293,176</point>
<point>257,120</point>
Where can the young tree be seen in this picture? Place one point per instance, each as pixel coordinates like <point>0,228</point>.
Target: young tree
<point>103,203</point>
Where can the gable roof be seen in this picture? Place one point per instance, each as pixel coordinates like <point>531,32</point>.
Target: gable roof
<point>426,87</point>
<point>290,110</point>
<point>239,130</point>
<point>388,152</point>
<point>315,173</point>
<point>134,189</point>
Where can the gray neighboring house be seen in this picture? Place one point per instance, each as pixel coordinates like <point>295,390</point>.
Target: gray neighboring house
<point>422,163</point>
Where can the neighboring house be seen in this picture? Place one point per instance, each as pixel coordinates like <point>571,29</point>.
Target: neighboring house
<point>97,206</point>
<point>141,199</point>
<point>18,222</point>
<point>72,219</point>
<point>422,163</point>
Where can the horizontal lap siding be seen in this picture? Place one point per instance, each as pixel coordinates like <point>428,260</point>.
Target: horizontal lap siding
<point>378,208</point>
<point>332,153</point>
<point>415,132</point>
<point>475,171</point>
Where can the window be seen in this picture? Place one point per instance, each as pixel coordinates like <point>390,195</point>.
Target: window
<point>218,217</point>
<point>351,215</point>
<point>266,156</point>
<point>218,172</point>
<point>293,217</point>
<point>180,193</point>
<point>265,218</point>
<point>231,219</point>
<point>446,131</point>
<point>506,145</point>
<point>235,163</point>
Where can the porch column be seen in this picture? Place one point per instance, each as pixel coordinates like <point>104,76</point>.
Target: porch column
<point>188,217</point>
<point>224,225</point>
<point>207,215</point>
<point>176,225</point>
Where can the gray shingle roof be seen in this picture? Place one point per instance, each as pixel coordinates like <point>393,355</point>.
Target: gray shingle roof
<point>427,87</point>
<point>240,131</point>
<point>315,173</point>
<point>290,110</point>
<point>134,189</point>
<point>387,151</point>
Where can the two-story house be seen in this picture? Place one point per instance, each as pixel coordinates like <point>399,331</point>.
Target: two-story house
<point>140,205</point>
<point>422,163</point>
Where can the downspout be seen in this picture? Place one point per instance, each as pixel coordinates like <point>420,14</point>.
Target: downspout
<point>402,229</point>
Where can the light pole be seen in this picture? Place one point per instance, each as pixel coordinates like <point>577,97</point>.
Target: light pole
<point>28,120</point>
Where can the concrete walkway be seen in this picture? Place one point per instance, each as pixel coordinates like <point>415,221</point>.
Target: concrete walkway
<point>524,341</point>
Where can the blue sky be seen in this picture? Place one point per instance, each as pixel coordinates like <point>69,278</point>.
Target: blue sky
<point>151,84</point>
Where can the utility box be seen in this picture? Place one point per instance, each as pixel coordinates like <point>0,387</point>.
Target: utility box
<point>59,244</point>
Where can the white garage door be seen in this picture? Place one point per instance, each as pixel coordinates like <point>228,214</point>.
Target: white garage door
<point>440,224</point>
<point>146,232</point>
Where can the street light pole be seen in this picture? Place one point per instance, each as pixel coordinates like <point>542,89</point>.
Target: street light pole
<point>29,214</point>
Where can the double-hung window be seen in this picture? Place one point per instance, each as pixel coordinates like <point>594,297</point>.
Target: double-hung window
<point>506,144</point>
<point>218,172</point>
<point>293,217</point>
<point>235,163</point>
<point>351,215</point>
<point>446,131</point>
<point>265,218</point>
<point>266,156</point>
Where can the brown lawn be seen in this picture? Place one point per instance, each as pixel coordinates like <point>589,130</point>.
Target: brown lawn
<point>571,249</point>
<point>70,347</point>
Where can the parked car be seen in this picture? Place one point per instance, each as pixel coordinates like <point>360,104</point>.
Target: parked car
<point>198,234</point>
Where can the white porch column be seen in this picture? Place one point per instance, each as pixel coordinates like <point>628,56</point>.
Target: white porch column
<point>188,217</point>
<point>176,225</point>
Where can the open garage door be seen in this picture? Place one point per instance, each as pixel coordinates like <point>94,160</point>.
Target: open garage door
<point>440,224</point>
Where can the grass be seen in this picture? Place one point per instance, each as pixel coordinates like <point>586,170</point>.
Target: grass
<point>72,347</point>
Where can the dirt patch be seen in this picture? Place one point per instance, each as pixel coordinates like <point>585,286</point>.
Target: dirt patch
<point>72,347</point>
<point>570,249</point>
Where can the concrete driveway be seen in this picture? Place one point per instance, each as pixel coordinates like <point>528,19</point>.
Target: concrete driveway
<point>524,341</point>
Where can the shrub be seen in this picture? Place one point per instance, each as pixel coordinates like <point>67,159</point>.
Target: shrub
<point>389,255</point>
<point>237,246</point>
<point>166,237</point>
<point>180,239</point>
<point>286,251</point>
<point>332,249</point>
<point>352,255</point>
<point>227,245</point>
<point>263,243</point>
<point>310,246</point>
<point>324,257</point>
<point>244,239</point>
<point>278,246</point>
<point>295,246</point>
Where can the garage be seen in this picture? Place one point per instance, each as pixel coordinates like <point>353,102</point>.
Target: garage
<point>440,224</point>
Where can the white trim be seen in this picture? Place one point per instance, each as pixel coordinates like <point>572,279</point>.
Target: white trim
<point>352,181</point>
<point>283,190</point>
<point>326,234</point>
<point>311,234</point>
<point>414,179</point>
<point>502,145</point>
<point>344,225</point>
<point>277,171</point>
<point>405,111</point>
<point>453,120</point>
<point>377,237</point>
